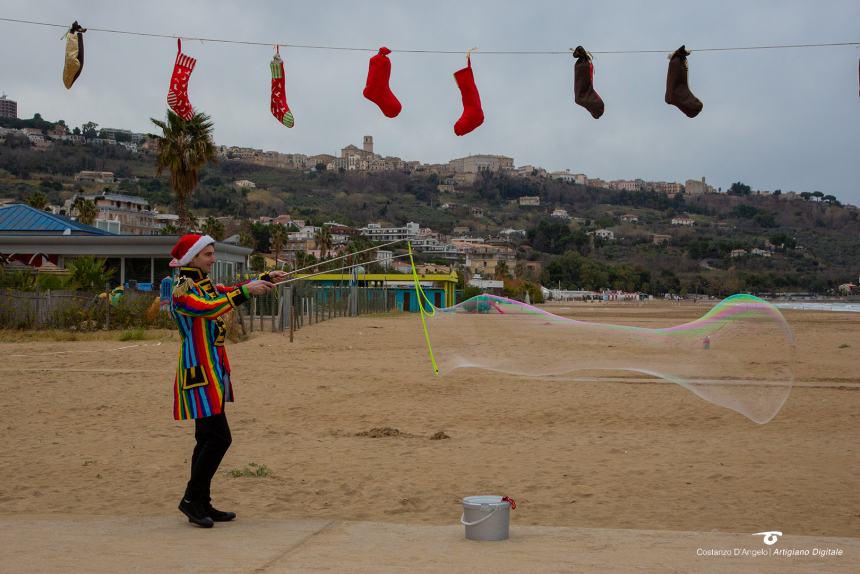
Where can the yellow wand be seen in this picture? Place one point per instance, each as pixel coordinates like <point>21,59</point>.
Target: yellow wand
<point>422,297</point>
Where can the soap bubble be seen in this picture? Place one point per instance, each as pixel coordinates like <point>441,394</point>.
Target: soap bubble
<point>739,355</point>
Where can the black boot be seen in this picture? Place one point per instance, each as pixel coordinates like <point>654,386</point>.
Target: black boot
<point>220,515</point>
<point>196,513</point>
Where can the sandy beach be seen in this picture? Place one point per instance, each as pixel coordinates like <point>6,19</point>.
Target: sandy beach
<point>88,430</point>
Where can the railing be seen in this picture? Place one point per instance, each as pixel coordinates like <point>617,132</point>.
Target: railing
<point>289,308</point>
<point>78,310</point>
<point>286,308</point>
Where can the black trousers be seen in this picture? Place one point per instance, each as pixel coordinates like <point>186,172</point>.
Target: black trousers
<point>213,440</point>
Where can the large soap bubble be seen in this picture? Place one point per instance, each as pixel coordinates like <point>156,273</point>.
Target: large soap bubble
<point>739,355</point>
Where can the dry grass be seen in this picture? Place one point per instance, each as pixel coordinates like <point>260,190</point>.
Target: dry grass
<point>58,335</point>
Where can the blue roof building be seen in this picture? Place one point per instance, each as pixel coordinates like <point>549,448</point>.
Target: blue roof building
<point>20,219</point>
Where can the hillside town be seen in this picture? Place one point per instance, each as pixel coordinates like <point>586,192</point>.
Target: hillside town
<point>485,256</point>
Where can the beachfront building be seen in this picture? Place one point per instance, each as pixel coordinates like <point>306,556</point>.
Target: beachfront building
<point>44,241</point>
<point>440,288</point>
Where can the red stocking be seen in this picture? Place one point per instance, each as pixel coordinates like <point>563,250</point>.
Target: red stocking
<point>177,95</point>
<point>377,90</point>
<point>473,115</point>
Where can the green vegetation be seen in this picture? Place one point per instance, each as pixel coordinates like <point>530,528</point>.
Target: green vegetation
<point>252,470</point>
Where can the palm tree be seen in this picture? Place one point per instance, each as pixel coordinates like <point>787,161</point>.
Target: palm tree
<point>277,240</point>
<point>246,235</point>
<point>214,228</point>
<point>323,239</point>
<point>183,148</point>
<point>37,200</point>
<point>88,273</point>
<point>502,271</point>
<point>87,210</point>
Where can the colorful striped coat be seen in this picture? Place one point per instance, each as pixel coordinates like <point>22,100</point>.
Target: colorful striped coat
<point>202,383</point>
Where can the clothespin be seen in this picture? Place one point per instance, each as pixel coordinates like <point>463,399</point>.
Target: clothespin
<point>469,55</point>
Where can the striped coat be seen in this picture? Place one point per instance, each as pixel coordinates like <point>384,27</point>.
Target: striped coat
<point>202,383</point>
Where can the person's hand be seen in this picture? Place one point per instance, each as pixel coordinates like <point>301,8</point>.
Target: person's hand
<point>258,287</point>
<point>277,276</point>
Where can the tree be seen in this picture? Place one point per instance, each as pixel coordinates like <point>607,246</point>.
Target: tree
<point>169,229</point>
<point>90,130</point>
<point>183,149</point>
<point>258,263</point>
<point>805,195</point>
<point>88,273</point>
<point>323,239</point>
<point>37,200</point>
<point>277,240</point>
<point>86,210</point>
<point>817,195</point>
<point>502,270</point>
<point>214,228</point>
<point>246,236</point>
<point>739,188</point>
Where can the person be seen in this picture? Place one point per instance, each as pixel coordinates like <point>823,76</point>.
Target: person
<point>202,384</point>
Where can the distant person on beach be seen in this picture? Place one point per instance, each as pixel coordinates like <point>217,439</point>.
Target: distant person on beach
<point>202,385</point>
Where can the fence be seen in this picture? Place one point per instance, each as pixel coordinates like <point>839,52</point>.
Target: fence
<point>287,308</point>
<point>79,311</point>
<point>291,308</point>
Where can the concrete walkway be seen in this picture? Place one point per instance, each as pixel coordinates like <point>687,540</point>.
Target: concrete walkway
<point>112,544</point>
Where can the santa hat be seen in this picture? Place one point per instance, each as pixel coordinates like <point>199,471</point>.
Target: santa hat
<point>187,247</point>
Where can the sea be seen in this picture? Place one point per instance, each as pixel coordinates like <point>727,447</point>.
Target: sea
<point>819,306</point>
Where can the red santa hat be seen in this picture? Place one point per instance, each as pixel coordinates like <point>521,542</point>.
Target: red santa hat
<point>187,247</point>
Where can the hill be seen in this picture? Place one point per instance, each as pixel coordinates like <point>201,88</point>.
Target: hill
<point>791,244</point>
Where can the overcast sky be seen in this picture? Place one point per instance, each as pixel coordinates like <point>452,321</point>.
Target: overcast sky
<point>784,119</point>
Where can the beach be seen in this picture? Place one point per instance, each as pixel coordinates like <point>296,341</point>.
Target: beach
<point>342,420</point>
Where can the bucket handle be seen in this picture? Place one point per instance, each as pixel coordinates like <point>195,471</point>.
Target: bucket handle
<point>480,520</point>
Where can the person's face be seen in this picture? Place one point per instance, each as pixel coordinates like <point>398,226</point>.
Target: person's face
<point>204,260</point>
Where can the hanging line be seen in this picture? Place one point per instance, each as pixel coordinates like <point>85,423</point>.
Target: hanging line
<point>496,52</point>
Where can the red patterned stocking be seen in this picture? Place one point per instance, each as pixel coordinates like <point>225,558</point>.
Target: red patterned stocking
<point>177,95</point>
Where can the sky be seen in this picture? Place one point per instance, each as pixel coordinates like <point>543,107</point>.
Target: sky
<point>774,119</point>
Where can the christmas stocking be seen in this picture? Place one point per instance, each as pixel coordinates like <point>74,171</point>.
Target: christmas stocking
<point>583,83</point>
<point>677,91</point>
<point>473,115</point>
<point>280,109</point>
<point>74,54</point>
<point>377,90</point>
<point>177,95</point>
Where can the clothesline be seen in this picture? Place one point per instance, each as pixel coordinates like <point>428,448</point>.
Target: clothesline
<point>414,51</point>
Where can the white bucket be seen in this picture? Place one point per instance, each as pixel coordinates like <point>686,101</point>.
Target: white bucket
<point>487,517</point>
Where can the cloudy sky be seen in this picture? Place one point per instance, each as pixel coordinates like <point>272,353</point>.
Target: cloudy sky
<point>784,119</point>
